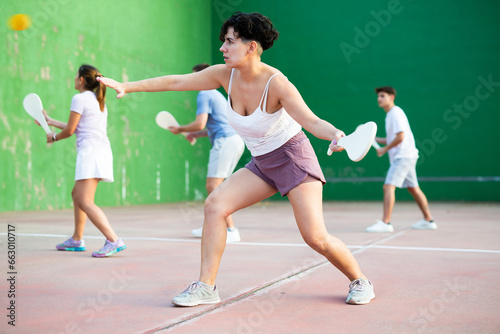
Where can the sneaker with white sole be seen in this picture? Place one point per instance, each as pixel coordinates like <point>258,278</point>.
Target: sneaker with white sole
<point>72,245</point>
<point>380,227</point>
<point>424,225</point>
<point>197,293</point>
<point>110,248</point>
<point>360,292</point>
<point>232,236</point>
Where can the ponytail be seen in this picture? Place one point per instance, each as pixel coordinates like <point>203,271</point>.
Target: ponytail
<point>90,74</point>
<point>100,92</point>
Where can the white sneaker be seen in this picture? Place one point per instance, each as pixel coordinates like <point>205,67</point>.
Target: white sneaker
<point>424,225</point>
<point>197,232</point>
<point>232,236</point>
<point>198,293</point>
<point>380,227</point>
<point>360,292</point>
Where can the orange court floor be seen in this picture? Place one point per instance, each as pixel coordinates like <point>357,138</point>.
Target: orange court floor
<point>441,281</point>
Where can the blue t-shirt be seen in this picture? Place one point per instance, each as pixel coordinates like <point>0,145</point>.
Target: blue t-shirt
<point>213,103</point>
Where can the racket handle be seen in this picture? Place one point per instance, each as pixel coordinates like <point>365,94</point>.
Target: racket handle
<point>329,151</point>
<point>375,145</point>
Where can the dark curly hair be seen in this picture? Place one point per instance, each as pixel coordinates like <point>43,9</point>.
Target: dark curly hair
<point>251,27</point>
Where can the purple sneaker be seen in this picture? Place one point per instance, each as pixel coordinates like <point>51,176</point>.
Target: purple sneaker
<point>72,245</point>
<point>110,248</point>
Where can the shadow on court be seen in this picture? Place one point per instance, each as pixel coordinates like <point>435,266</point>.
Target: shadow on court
<point>442,281</point>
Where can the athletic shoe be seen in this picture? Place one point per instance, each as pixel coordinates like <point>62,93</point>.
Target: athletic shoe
<point>380,227</point>
<point>72,245</point>
<point>232,236</point>
<point>360,292</point>
<point>110,248</point>
<point>197,293</point>
<point>197,232</point>
<point>424,225</point>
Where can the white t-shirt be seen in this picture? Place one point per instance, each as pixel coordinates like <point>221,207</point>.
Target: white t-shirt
<point>395,122</point>
<point>91,129</point>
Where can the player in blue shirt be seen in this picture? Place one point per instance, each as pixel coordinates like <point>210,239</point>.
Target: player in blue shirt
<point>227,145</point>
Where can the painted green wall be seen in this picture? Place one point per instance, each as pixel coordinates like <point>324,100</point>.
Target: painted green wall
<point>439,55</point>
<point>126,40</point>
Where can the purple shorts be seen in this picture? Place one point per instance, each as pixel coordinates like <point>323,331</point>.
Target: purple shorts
<point>288,166</point>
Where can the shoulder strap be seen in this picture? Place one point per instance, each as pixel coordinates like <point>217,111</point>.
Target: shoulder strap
<point>266,90</point>
<point>230,84</point>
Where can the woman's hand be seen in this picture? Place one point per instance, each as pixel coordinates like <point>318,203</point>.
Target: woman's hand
<point>47,118</point>
<point>50,137</point>
<point>118,86</point>
<point>333,146</point>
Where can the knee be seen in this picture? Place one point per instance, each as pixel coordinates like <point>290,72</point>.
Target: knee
<point>388,188</point>
<point>83,204</point>
<point>317,242</point>
<point>215,207</point>
<point>413,190</point>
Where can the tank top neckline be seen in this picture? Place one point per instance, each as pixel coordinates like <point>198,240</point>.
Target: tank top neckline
<point>263,98</point>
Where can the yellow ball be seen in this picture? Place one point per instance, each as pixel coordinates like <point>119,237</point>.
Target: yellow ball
<point>19,22</point>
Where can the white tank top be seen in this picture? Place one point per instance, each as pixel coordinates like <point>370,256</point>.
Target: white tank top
<point>262,132</point>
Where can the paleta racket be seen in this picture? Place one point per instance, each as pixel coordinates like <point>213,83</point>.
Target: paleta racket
<point>358,143</point>
<point>33,106</point>
<point>164,119</point>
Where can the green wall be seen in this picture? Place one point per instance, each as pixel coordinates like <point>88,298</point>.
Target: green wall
<point>126,40</point>
<point>437,54</point>
<point>440,56</point>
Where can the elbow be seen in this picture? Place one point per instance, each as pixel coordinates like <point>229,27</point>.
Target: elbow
<point>198,127</point>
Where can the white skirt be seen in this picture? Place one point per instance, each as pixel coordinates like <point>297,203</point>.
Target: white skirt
<point>94,162</point>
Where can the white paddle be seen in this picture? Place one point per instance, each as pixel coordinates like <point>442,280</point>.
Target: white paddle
<point>164,119</point>
<point>33,106</point>
<point>358,143</point>
<point>375,145</point>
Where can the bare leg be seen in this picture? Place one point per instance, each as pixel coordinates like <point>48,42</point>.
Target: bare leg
<point>421,200</point>
<point>211,184</point>
<point>84,192</point>
<point>306,200</point>
<point>389,200</point>
<point>80,217</point>
<point>239,191</point>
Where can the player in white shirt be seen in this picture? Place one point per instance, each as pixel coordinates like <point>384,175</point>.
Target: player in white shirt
<point>403,156</point>
<point>94,162</point>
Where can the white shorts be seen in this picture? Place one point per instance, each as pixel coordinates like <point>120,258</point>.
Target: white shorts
<point>224,155</point>
<point>94,162</point>
<point>403,173</point>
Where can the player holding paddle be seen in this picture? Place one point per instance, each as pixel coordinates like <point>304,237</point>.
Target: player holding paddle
<point>227,146</point>
<point>403,156</point>
<point>268,112</point>
<point>94,161</point>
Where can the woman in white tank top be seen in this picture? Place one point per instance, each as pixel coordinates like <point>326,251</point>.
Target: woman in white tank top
<point>268,112</point>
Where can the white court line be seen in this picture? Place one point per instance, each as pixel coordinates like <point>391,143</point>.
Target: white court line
<point>277,244</point>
